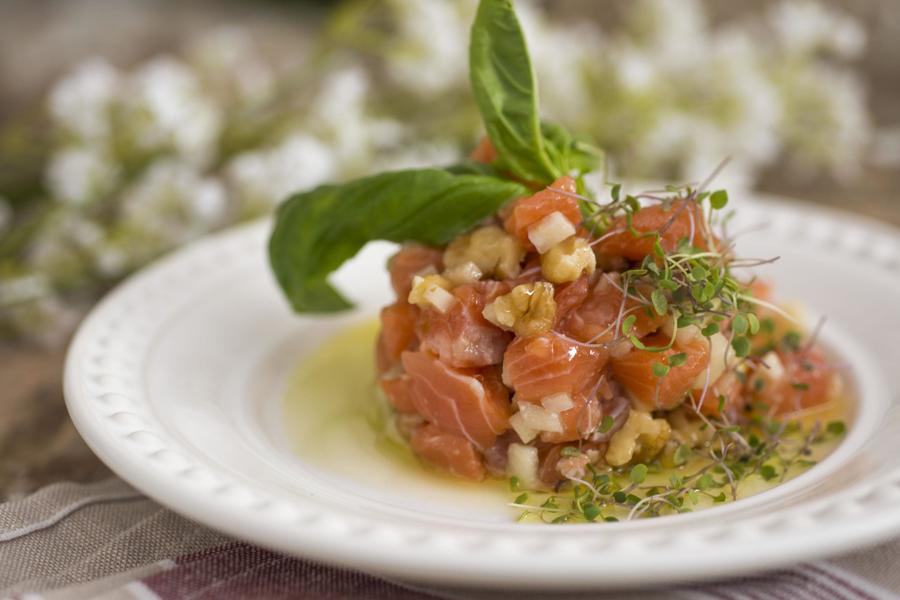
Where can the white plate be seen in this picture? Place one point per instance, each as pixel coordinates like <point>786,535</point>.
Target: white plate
<point>176,381</point>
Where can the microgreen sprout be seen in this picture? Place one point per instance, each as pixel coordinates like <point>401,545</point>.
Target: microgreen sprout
<point>688,281</point>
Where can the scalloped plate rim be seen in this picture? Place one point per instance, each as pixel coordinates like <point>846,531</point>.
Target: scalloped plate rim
<point>398,562</point>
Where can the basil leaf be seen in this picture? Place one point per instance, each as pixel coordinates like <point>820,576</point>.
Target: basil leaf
<point>569,153</point>
<point>317,231</point>
<point>504,85</point>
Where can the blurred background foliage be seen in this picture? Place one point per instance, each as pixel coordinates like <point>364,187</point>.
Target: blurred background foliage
<point>128,128</point>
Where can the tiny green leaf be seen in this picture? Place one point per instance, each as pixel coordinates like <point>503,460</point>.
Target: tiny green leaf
<point>591,511</point>
<point>741,346</point>
<point>768,472</point>
<point>614,192</point>
<point>606,424</point>
<point>836,428</point>
<point>754,323</point>
<point>676,360</point>
<point>739,324</point>
<point>638,473</point>
<point>658,249</point>
<point>660,370</point>
<point>705,481</point>
<point>660,304</point>
<point>710,330</point>
<point>681,455</point>
<point>792,341</point>
<point>718,199</point>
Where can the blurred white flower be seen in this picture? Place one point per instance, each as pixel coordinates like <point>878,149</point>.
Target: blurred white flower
<point>825,119</point>
<point>62,253</point>
<point>80,102</point>
<point>672,31</point>
<point>264,178</point>
<point>46,319</point>
<point>388,133</point>
<point>226,60</point>
<point>635,68</point>
<point>80,174</point>
<point>23,288</point>
<point>742,112</point>
<point>561,55</point>
<point>165,107</point>
<point>30,306</point>
<point>418,156</point>
<point>433,55</point>
<point>805,26</point>
<point>339,114</point>
<point>111,260</point>
<point>175,146</point>
<point>172,203</point>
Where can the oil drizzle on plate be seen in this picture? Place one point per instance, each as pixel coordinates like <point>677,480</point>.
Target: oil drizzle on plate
<point>337,422</point>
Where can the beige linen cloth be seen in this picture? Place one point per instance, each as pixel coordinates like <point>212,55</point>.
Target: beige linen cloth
<point>108,541</point>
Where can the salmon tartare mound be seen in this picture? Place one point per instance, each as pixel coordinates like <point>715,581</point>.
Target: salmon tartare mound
<point>537,337</point>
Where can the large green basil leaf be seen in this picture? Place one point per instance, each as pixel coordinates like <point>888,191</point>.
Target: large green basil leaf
<point>505,88</point>
<point>317,231</point>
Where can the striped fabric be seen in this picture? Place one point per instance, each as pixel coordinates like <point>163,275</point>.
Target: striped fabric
<point>106,541</point>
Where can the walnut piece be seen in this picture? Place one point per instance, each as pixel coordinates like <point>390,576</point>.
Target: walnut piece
<point>491,249</point>
<point>528,309</point>
<point>640,439</point>
<point>567,260</point>
<point>467,272</point>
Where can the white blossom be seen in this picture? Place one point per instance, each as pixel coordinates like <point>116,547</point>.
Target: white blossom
<point>635,68</point>
<point>833,100</point>
<point>166,107</point>
<point>81,101</point>
<point>111,260</point>
<point>67,239</point>
<point>30,306</point>
<point>226,60</point>
<point>434,55</point>
<point>268,176</point>
<point>23,288</point>
<point>673,31</point>
<point>561,54</point>
<point>172,203</point>
<point>80,174</point>
<point>339,114</point>
<point>417,156</point>
<point>805,26</point>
